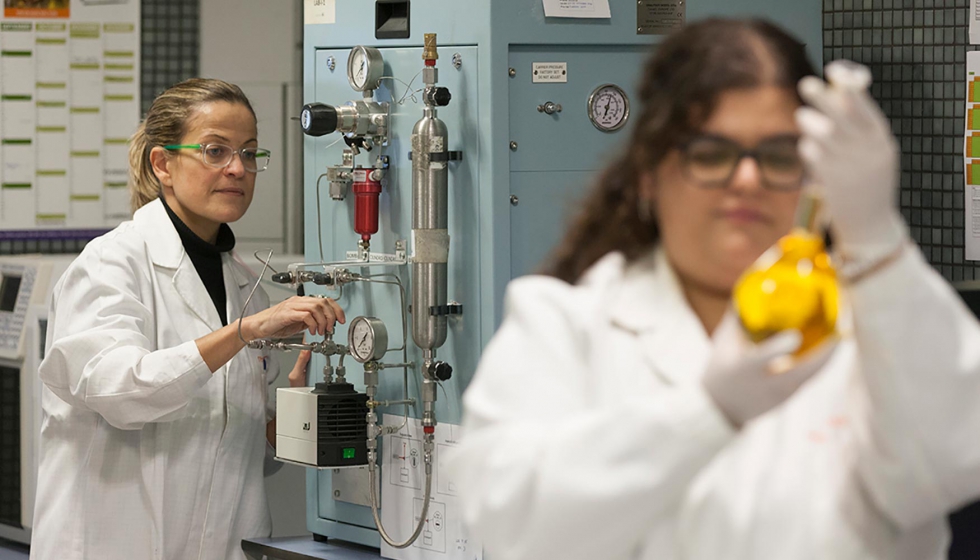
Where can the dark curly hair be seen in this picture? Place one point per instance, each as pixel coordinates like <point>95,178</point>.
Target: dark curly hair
<point>681,84</point>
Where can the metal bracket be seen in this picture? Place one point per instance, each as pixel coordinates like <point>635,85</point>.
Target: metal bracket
<point>353,486</point>
<point>442,156</point>
<point>449,309</point>
<point>399,258</point>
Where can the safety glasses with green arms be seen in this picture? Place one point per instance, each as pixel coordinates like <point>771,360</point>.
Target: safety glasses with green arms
<point>219,155</point>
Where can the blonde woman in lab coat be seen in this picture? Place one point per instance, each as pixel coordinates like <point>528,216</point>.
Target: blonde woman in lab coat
<point>155,413</point>
<point>620,413</point>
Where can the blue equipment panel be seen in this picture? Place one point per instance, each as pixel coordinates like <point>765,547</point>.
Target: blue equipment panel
<point>337,219</point>
<point>508,207</point>
<point>557,156</point>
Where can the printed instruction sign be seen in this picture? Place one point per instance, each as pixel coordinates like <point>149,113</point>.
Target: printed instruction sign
<point>319,11</point>
<point>443,535</point>
<point>69,101</point>
<point>577,8</point>
<point>659,17</point>
<point>549,72</point>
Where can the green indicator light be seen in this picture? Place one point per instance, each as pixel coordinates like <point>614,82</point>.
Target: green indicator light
<point>348,453</point>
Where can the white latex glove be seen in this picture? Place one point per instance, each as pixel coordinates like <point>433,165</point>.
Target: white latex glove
<point>849,149</point>
<point>747,380</point>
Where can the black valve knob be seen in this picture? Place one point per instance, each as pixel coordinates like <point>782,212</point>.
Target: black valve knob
<point>282,278</point>
<point>441,371</point>
<point>322,279</point>
<point>318,119</point>
<point>439,96</point>
<point>358,142</point>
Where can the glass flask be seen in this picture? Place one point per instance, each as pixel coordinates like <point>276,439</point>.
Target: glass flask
<point>793,285</point>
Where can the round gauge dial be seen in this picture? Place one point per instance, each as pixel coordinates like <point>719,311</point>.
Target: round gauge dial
<point>367,338</point>
<point>364,68</point>
<point>609,107</point>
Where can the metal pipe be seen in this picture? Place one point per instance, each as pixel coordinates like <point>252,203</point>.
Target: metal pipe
<point>401,296</point>
<point>428,390</point>
<point>346,263</point>
<point>371,380</point>
<point>376,404</point>
<point>395,366</point>
<point>404,347</point>
<point>372,469</point>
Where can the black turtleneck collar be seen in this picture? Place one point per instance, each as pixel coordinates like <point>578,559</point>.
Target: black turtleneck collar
<point>206,258</point>
<point>224,243</point>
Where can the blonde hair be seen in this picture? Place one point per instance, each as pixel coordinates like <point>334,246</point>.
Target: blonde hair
<point>166,123</point>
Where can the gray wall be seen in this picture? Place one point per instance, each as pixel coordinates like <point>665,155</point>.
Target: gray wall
<point>248,43</point>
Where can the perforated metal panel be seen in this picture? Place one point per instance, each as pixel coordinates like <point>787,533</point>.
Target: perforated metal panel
<point>916,50</point>
<point>169,50</point>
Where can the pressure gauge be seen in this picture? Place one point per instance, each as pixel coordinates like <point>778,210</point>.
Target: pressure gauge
<point>367,338</point>
<point>364,68</point>
<point>609,108</point>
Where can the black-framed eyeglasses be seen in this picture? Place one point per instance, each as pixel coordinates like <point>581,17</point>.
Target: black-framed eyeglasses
<point>711,161</point>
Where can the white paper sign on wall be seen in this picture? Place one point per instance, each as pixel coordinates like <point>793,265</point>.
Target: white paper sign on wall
<point>319,11</point>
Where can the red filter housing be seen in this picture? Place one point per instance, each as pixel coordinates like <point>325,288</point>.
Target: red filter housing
<point>367,193</point>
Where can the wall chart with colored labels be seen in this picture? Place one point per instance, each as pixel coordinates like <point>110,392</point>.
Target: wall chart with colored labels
<point>971,158</point>
<point>69,101</point>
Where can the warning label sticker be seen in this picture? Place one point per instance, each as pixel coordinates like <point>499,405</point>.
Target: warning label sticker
<point>549,72</point>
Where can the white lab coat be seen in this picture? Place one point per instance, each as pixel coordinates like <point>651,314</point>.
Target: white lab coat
<point>144,453</point>
<point>588,434</point>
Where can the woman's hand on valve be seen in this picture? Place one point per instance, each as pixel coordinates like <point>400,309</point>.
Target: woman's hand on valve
<point>298,313</point>
<point>746,380</point>
<point>850,151</point>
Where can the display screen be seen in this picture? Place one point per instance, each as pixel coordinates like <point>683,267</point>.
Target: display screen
<point>8,292</point>
<point>348,453</point>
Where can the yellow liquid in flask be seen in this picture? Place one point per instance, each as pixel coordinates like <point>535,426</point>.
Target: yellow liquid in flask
<point>792,286</point>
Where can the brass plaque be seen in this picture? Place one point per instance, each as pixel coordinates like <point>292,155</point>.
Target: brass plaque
<point>659,17</point>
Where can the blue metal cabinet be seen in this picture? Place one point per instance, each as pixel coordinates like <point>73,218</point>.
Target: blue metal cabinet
<point>556,159</point>
<point>557,156</point>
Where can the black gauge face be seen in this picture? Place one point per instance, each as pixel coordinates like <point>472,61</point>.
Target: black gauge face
<point>609,108</point>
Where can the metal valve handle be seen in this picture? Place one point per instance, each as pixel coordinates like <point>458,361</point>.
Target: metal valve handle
<point>549,108</point>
